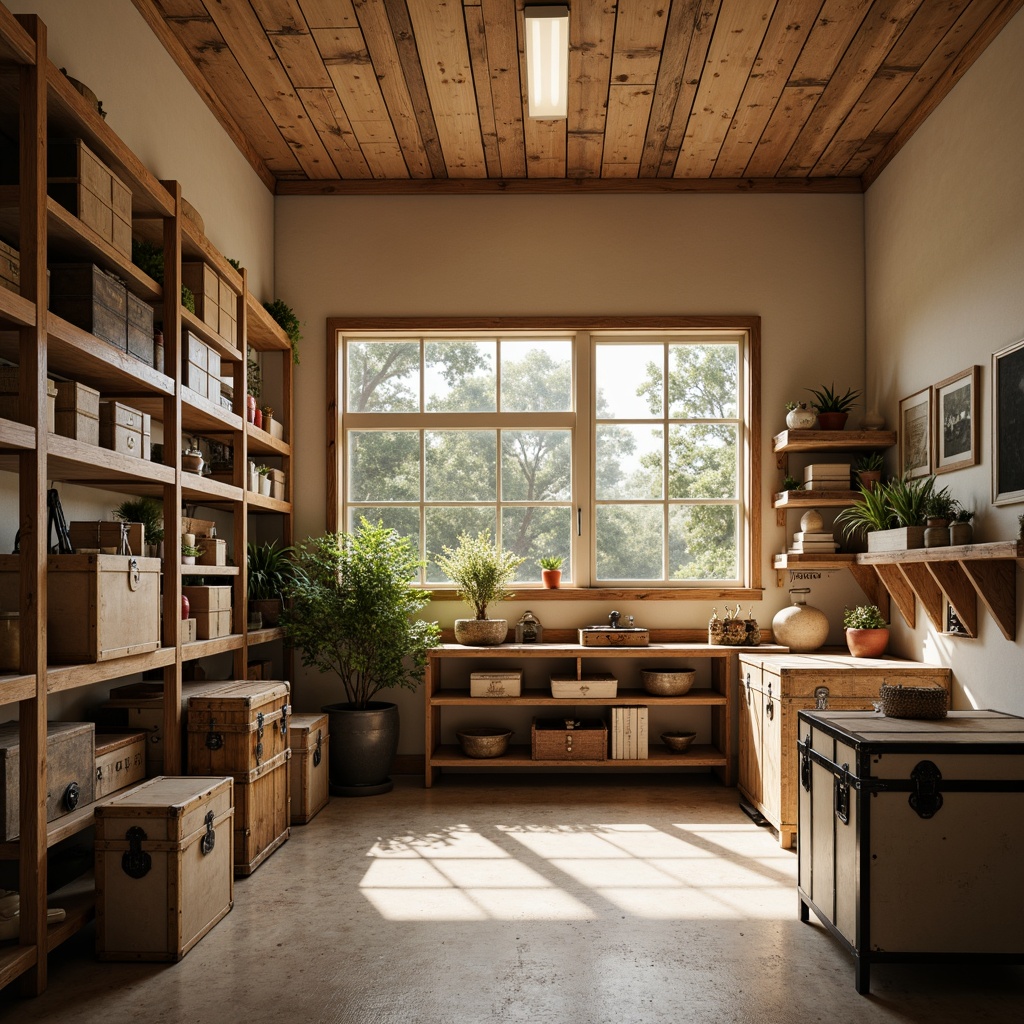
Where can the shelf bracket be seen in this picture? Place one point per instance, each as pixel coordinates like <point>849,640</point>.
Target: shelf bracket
<point>872,585</point>
<point>959,591</point>
<point>928,592</point>
<point>899,589</point>
<point>996,584</point>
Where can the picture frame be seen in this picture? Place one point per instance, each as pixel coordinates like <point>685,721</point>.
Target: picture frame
<point>956,420</point>
<point>916,434</point>
<point>1008,424</point>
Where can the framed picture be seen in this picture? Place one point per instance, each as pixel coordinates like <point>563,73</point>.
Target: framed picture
<point>916,434</point>
<point>956,420</point>
<point>1008,425</point>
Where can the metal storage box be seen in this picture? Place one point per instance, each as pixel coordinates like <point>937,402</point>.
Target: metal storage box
<point>567,739</point>
<point>120,761</point>
<point>910,835</point>
<point>99,606</point>
<point>124,429</point>
<point>309,785</point>
<point>163,867</point>
<point>774,687</point>
<point>69,776</point>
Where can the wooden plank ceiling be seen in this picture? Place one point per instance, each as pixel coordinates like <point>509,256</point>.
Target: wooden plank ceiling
<point>329,96</point>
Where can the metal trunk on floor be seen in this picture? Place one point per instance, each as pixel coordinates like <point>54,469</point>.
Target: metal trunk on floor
<point>363,745</point>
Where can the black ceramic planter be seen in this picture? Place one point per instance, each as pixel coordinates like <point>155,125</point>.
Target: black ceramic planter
<point>363,745</point>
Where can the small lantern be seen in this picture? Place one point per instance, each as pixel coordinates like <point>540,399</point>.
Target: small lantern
<point>528,629</point>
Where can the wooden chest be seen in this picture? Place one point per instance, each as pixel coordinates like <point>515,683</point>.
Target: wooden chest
<point>99,607</point>
<point>69,776</point>
<point>92,299</point>
<point>100,534</point>
<point>774,688</point>
<point>567,739</point>
<point>308,781</point>
<point>120,761</point>
<point>910,835</point>
<point>164,854</point>
<point>124,429</point>
<point>78,412</point>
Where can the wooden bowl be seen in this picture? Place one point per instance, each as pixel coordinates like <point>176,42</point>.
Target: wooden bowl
<point>484,741</point>
<point>678,742</point>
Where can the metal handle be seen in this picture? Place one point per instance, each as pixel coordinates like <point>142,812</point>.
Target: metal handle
<point>769,708</point>
<point>135,862</point>
<point>209,839</point>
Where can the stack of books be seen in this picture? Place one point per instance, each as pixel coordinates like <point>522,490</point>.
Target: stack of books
<point>827,476</point>
<point>629,733</point>
<point>806,542</point>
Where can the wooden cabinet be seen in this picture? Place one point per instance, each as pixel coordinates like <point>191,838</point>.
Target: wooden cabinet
<point>773,689</point>
<point>38,103</point>
<point>447,687</point>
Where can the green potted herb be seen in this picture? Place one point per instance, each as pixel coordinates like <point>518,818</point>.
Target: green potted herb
<point>939,509</point>
<point>269,570</point>
<point>285,317</point>
<point>551,571</point>
<point>892,515</point>
<point>867,632</point>
<point>149,512</point>
<point>833,409</point>
<point>189,553</point>
<point>869,469</point>
<point>961,530</point>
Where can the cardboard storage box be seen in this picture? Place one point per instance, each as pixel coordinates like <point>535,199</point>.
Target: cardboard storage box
<point>10,403</point>
<point>208,599</point>
<point>587,686</point>
<point>204,283</point>
<point>120,761</point>
<point>211,625</point>
<point>215,552</point>
<point>124,429</point>
<point>309,784</point>
<point>92,299</point>
<point>910,835</point>
<point>242,730</point>
<point>78,412</point>
<point>164,878</point>
<point>140,329</point>
<point>100,606</point>
<point>496,684</point>
<point>102,533</point>
<point>561,739</point>
<point>83,184</point>
<point>189,631</point>
<point>70,771</point>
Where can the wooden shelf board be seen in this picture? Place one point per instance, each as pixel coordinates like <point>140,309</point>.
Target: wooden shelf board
<point>17,436</point>
<point>836,561</point>
<point>17,47</point>
<point>206,648</point>
<point>814,499</point>
<point>16,310</point>
<point>15,961</point>
<point>74,461</point>
<point>1012,549</point>
<point>265,334</point>
<point>265,636</point>
<point>260,441</point>
<point>518,756</point>
<point>204,491</point>
<point>701,697</point>
<point>545,650</point>
<point>69,677</point>
<point>78,901</point>
<point>15,687</point>
<point>261,503</point>
<point>228,353</point>
<point>832,440</point>
<point>209,570</point>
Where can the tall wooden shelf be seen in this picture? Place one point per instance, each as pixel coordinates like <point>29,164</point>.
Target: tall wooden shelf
<point>38,102</point>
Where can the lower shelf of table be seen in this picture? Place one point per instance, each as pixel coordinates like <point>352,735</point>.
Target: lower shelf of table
<point>518,756</point>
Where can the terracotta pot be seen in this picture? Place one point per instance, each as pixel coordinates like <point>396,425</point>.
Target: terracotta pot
<point>551,578</point>
<point>867,643</point>
<point>869,477</point>
<point>832,420</point>
<point>250,408</point>
<point>257,417</point>
<point>481,632</point>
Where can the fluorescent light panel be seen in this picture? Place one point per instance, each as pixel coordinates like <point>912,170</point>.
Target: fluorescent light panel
<point>547,60</point>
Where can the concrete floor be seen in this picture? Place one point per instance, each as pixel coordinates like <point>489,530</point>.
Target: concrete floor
<point>519,899</point>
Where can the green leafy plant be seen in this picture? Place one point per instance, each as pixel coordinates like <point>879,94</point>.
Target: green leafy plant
<point>269,570</point>
<point>1020,526</point>
<point>480,570</point>
<point>149,258</point>
<point>253,377</point>
<point>907,499</point>
<point>791,484</point>
<point>961,514</point>
<point>870,512</point>
<point>285,317</point>
<point>940,505</point>
<point>551,562</point>
<point>864,616</point>
<point>188,300</point>
<point>147,511</point>
<point>190,550</point>
<point>263,470</point>
<point>353,599</point>
<point>826,400</point>
<point>872,462</point>
<point>235,264</point>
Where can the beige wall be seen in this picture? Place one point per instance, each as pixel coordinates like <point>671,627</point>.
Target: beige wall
<point>945,289</point>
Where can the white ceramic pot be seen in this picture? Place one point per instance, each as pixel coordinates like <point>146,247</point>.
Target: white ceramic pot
<point>803,417</point>
<point>265,486</point>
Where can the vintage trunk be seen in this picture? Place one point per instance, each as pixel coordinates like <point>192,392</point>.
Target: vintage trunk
<point>99,606</point>
<point>90,298</point>
<point>69,776</point>
<point>775,687</point>
<point>309,786</point>
<point>124,429</point>
<point>262,809</point>
<point>120,761</point>
<point>565,739</point>
<point>164,878</point>
<point>910,835</point>
<point>78,412</point>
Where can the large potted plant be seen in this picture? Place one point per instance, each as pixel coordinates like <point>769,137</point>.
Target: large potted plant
<point>268,572</point>
<point>892,514</point>
<point>482,572</point>
<point>867,632</point>
<point>352,608</point>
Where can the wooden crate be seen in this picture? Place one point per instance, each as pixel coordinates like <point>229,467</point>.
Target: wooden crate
<point>215,552</point>
<point>99,607</point>
<point>189,631</point>
<point>237,728</point>
<point>77,412</point>
<point>262,813</point>
<point>309,785</point>
<point>588,685</point>
<point>204,283</point>
<point>10,402</point>
<point>208,599</point>
<point>140,329</point>
<point>120,761</point>
<point>210,625</point>
<point>102,533</point>
<point>164,856</point>
<point>774,688</point>
<point>10,268</point>
<point>70,772</point>
<point>195,356</point>
<point>90,298</point>
<point>277,484</point>
<point>124,430</point>
<point>552,740</point>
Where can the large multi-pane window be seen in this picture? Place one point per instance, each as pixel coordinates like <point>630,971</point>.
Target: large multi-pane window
<point>625,453</point>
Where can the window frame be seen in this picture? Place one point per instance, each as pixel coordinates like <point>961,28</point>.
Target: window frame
<point>582,328</point>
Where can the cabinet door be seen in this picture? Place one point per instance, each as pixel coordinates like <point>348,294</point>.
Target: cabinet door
<point>771,753</point>
<point>750,782</point>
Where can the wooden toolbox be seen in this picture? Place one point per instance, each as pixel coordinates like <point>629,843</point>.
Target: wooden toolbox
<point>78,412</point>
<point>120,761</point>
<point>99,606</point>
<point>910,835</point>
<point>10,402</point>
<point>70,769</point>
<point>164,854</point>
<point>775,687</point>
<point>242,731</point>
<point>309,784</point>
<point>124,429</point>
<point>567,739</point>
<point>90,298</point>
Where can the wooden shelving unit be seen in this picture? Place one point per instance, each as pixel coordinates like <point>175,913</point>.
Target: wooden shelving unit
<point>37,102</point>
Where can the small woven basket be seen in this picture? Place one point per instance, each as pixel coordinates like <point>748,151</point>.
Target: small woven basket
<point>901,701</point>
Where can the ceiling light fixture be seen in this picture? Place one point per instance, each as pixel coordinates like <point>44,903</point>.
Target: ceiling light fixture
<point>547,60</point>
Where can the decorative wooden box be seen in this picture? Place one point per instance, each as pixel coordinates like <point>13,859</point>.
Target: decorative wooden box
<point>90,298</point>
<point>10,268</point>
<point>587,687</point>
<point>104,533</point>
<point>496,684</point>
<point>10,402</point>
<point>562,739</point>
<point>211,625</point>
<point>215,552</point>
<point>124,429</point>
<point>308,777</point>
<point>164,854</point>
<point>208,599</point>
<point>910,835</point>
<point>78,412</point>
<point>606,637</point>
<point>140,329</point>
<point>120,761</point>
<point>70,771</point>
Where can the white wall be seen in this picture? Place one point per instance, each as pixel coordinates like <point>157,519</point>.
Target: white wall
<point>796,261</point>
<point>944,290</point>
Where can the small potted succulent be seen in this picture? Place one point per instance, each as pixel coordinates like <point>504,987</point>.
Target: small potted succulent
<point>939,509</point>
<point>791,484</point>
<point>551,571</point>
<point>833,409</point>
<point>869,470</point>
<point>867,632</point>
<point>264,475</point>
<point>800,416</point>
<point>189,552</point>
<point>961,531</point>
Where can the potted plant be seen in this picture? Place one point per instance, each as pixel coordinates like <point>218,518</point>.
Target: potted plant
<point>961,531</point>
<point>867,632</point>
<point>189,553</point>
<point>481,571</point>
<point>869,469</point>
<point>268,572</point>
<point>551,571</point>
<point>264,475</point>
<point>284,316</point>
<point>268,417</point>
<point>353,602</point>
<point>939,509</point>
<point>800,416</point>
<point>253,386</point>
<point>791,484</point>
<point>147,511</point>
<point>892,514</point>
<point>833,409</point>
